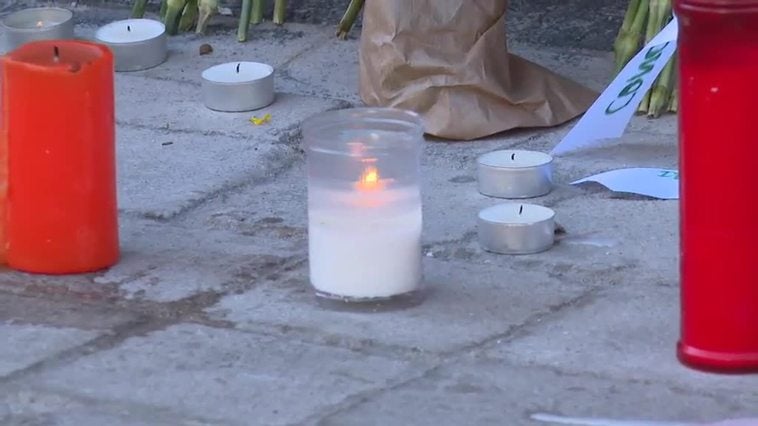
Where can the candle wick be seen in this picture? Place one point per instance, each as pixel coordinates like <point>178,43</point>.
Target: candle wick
<point>520,209</point>
<point>56,54</point>
<point>129,28</point>
<point>238,68</point>
<point>513,157</point>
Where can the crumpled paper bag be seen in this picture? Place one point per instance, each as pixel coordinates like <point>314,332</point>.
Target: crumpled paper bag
<point>448,61</point>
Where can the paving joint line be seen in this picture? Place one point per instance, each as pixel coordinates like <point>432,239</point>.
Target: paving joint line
<point>150,317</point>
<point>579,374</point>
<point>138,327</point>
<point>356,399</point>
<point>446,359</point>
<point>144,412</point>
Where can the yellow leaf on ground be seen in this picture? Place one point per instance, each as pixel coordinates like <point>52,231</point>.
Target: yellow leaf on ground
<point>262,120</point>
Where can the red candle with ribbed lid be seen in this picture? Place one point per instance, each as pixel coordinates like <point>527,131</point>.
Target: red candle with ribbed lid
<point>57,148</point>
<point>718,135</point>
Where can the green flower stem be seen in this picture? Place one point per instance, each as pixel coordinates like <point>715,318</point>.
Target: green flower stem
<point>348,19</point>
<point>244,23</point>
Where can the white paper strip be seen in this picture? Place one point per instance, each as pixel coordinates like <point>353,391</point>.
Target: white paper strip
<point>578,421</point>
<point>608,117</point>
<point>658,183</point>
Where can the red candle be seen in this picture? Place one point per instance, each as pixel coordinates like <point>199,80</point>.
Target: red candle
<point>60,213</point>
<point>718,131</point>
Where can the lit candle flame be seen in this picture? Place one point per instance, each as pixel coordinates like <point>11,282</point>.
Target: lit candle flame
<point>369,180</point>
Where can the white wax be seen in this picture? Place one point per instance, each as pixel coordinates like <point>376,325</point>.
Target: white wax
<point>357,257</point>
<point>130,31</point>
<point>515,159</point>
<point>516,214</point>
<point>237,72</point>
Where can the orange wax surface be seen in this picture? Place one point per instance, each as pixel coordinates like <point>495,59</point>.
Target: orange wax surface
<point>58,137</point>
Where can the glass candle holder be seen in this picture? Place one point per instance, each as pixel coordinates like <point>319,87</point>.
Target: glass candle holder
<point>364,203</point>
<point>718,64</point>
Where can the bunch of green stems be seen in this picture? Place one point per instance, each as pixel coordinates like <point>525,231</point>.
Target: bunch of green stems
<point>644,19</point>
<point>183,15</point>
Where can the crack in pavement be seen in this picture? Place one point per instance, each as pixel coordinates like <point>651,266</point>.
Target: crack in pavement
<point>446,359</point>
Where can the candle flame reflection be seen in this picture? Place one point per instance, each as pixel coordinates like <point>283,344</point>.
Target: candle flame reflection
<point>369,180</point>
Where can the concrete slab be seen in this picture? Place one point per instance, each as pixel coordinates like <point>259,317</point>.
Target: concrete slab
<point>267,43</point>
<point>81,313</point>
<point>330,70</point>
<point>224,375</point>
<point>593,69</point>
<point>480,302</point>
<point>589,24</point>
<point>275,45</point>
<point>25,407</point>
<point>452,202</point>
<point>497,393</point>
<point>183,263</point>
<point>141,102</point>
<point>159,148</point>
<point>26,344</point>
<point>481,297</point>
<point>162,173</point>
<point>628,333</point>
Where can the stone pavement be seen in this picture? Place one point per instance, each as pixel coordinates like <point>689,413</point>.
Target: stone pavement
<point>208,318</point>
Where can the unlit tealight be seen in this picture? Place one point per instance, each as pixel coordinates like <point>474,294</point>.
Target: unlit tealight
<point>137,44</point>
<point>515,174</point>
<point>238,86</point>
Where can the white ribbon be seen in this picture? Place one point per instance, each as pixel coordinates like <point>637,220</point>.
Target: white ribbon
<point>608,117</point>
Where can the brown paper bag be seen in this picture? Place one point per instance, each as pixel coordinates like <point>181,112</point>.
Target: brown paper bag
<point>448,61</point>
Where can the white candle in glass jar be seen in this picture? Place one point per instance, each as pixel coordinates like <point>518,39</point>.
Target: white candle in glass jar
<point>137,44</point>
<point>368,246</point>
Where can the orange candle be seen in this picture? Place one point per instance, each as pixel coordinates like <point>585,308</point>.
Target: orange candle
<point>60,213</point>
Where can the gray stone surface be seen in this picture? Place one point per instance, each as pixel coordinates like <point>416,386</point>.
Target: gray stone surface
<point>497,393</point>
<point>159,147</point>
<point>30,407</point>
<point>80,314</point>
<point>141,103</point>
<point>227,376</point>
<point>200,262</point>
<point>625,333</point>
<point>155,165</point>
<point>486,295</point>
<point>208,318</point>
<point>26,344</point>
<point>476,310</point>
<point>331,70</point>
<point>281,46</point>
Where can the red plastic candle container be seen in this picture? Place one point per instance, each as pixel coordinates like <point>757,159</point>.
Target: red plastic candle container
<point>57,160</point>
<point>718,132</point>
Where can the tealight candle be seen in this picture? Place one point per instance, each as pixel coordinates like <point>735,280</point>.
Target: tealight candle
<point>137,44</point>
<point>515,174</point>
<point>41,23</point>
<point>364,203</point>
<point>238,86</point>
<point>515,228</point>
